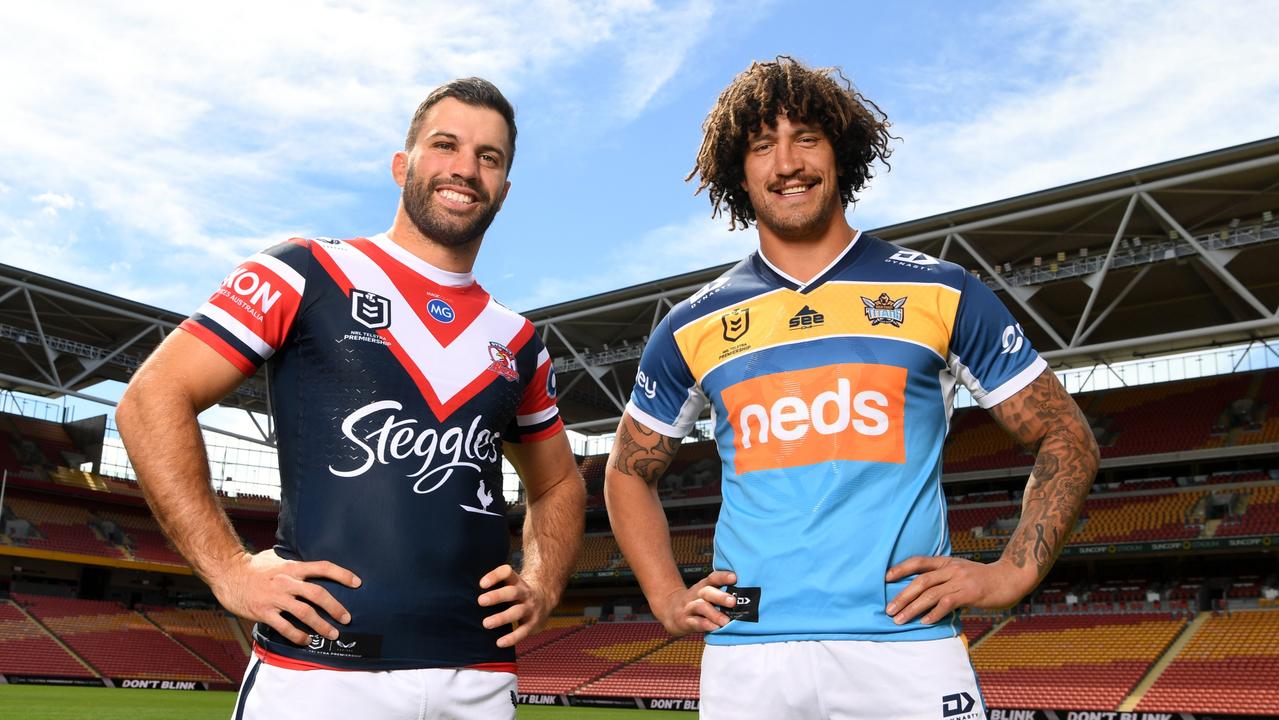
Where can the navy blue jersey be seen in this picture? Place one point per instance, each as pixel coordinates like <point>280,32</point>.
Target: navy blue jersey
<point>394,385</point>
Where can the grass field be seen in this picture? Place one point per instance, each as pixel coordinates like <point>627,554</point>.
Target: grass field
<point>36,702</point>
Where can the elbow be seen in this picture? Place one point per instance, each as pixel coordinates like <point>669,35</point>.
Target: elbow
<point>126,412</point>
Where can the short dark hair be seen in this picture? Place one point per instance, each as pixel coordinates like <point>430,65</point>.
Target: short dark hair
<point>474,91</point>
<point>856,127</point>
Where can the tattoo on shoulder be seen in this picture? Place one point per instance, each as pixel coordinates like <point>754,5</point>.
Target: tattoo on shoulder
<point>644,453</point>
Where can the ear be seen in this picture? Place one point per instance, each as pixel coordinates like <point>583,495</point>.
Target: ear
<point>501,198</point>
<point>400,167</point>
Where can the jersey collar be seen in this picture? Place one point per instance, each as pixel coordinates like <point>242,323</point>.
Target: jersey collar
<point>422,267</point>
<point>845,257</point>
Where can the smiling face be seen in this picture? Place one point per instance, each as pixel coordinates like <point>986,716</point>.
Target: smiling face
<point>792,180</point>
<point>454,178</point>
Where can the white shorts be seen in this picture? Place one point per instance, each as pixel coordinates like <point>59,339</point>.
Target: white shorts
<point>275,693</point>
<point>841,680</point>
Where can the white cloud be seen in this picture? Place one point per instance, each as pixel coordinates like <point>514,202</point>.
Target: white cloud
<point>656,46</point>
<point>1130,84</point>
<point>53,202</point>
<point>184,130</point>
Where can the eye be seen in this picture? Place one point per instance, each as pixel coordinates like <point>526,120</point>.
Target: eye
<point>442,145</point>
<point>809,140</point>
<point>489,159</point>
<point>762,146</point>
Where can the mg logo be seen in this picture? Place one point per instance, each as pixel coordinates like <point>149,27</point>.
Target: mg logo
<point>440,310</point>
<point>370,309</point>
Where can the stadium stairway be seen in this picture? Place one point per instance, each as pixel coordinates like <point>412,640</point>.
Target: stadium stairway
<point>204,657</point>
<point>1130,703</point>
<point>47,633</point>
<point>973,643</point>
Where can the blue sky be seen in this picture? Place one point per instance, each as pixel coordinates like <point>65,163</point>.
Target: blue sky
<point>144,151</point>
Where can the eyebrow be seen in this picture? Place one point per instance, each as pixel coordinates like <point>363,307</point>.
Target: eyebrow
<point>765,131</point>
<point>483,148</point>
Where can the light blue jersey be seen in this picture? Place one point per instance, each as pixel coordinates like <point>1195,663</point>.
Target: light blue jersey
<point>831,402</point>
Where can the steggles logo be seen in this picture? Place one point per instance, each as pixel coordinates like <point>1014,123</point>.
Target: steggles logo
<point>393,439</point>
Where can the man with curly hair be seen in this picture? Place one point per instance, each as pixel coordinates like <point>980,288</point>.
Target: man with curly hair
<point>830,359</point>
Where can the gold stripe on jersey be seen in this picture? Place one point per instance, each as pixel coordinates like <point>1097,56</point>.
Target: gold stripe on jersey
<point>918,313</point>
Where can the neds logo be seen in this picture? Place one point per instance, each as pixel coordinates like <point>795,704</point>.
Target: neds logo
<point>849,411</point>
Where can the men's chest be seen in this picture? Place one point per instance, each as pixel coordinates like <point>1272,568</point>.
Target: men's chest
<point>434,355</point>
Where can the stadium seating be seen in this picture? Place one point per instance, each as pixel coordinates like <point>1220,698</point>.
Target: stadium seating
<point>1071,662</point>
<point>145,540</point>
<point>693,547</point>
<point>1260,516</point>
<point>670,671</point>
<point>976,626</point>
<point>63,525</point>
<point>554,629</point>
<point>599,552</point>
<point>28,649</point>
<point>587,655</point>
<point>49,439</point>
<point>1134,519</point>
<point>208,633</point>
<point>118,643</point>
<point>1229,666</point>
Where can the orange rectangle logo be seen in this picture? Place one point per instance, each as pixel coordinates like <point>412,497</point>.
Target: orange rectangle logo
<point>848,411</point>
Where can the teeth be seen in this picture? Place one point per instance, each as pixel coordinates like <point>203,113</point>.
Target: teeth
<point>795,190</point>
<point>456,197</point>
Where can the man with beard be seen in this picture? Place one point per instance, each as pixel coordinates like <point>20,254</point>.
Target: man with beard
<point>397,385</point>
<point>830,360</point>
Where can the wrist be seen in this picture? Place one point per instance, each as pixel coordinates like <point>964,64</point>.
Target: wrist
<point>216,573</point>
<point>1021,580</point>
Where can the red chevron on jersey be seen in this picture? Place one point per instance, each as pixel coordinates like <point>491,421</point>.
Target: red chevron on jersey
<point>458,368</point>
<point>464,304</point>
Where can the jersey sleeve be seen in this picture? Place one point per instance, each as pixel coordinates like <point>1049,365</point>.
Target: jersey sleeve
<point>666,398</point>
<point>989,353</point>
<point>249,316</point>
<point>537,417</point>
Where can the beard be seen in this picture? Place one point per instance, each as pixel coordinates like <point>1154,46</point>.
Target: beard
<point>799,223</point>
<point>439,224</point>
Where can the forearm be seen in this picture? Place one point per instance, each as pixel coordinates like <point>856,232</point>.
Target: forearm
<point>1065,466</point>
<point>553,527</point>
<point>639,524</point>
<point>162,436</point>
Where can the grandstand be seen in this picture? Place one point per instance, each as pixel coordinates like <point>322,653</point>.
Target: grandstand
<point>1166,597</point>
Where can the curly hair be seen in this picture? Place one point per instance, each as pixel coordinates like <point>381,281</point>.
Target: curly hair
<point>856,127</point>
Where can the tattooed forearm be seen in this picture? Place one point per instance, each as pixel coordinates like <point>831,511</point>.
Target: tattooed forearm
<point>1045,418</point>
<point>1044,551</point>
<point>642,452</point>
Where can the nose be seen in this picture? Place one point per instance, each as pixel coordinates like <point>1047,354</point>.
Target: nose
<point>787,162</point>
<point>465,164</point>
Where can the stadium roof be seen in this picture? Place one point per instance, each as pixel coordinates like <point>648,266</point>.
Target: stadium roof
<point>1179,255</point>
<point>59,339</point>
<point>1174,256</point>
